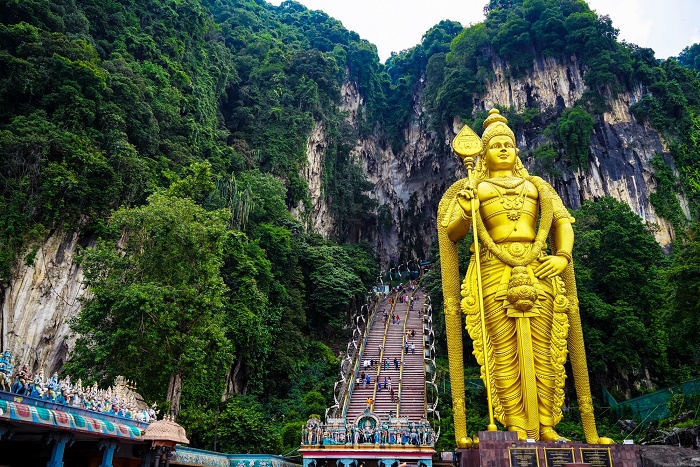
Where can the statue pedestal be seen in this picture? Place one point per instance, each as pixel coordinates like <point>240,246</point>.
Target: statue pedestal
<point>502,448</point>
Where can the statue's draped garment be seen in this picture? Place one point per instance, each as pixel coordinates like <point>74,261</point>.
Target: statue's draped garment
<point>526,349</point>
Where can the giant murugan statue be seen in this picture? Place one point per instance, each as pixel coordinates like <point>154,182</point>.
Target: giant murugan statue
<point>519,298</point>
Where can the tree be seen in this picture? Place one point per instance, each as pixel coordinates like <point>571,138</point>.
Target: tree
<point>244,428</point>
<point>683,295</point>
<point>618,266</point>
<point>690,57</point>
<point>154,311</point>
<point>333,283</point>
<point>574,129</point>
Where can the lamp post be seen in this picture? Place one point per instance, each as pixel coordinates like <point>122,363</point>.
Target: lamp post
<point>406,266</point>
<point>415,263</point>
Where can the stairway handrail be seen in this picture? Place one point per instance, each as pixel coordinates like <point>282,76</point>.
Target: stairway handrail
<point>403,353</point>
<point>423,336</point>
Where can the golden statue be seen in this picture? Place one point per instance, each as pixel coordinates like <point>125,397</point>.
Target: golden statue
<point>520,302</point>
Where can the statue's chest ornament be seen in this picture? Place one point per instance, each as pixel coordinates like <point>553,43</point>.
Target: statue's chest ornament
<point>511,199</point>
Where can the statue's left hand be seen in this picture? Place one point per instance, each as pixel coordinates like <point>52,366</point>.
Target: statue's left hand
<point>551,266</point>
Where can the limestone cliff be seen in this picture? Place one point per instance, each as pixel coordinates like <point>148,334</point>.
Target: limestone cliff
<point>319,219</point>
<point>39,302</point>
<point>411,181</point>
<point>621,149</point>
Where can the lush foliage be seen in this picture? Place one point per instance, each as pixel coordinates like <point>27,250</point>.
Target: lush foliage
<point>690,57</point>
<point>102,102</point>
<point>673,108</point>
<point>618,272</point>
<point>574,130</point>
<point>157,291</point>
<point>683,292</point>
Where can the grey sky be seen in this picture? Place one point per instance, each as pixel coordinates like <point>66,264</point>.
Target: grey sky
<point>393,25</point>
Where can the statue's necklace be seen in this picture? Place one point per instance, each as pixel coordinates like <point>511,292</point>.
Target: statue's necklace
<point>506,182</point>
<point>512,201</point>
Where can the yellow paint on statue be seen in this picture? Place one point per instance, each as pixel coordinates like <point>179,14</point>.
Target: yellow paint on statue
<point>520,302</point>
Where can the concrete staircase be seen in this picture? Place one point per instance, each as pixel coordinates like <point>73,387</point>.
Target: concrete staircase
<point>408,381</point>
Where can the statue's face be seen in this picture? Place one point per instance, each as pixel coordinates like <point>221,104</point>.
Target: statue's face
<point>500,154</point>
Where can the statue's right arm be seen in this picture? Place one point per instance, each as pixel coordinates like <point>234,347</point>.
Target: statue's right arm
<point>461,215</point>
<point>458,226</point>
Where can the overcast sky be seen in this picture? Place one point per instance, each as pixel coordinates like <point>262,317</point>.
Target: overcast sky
<point>666,26</point>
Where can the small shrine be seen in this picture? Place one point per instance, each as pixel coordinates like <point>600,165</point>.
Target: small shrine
<point>164,435</point>
<point>367,440</point>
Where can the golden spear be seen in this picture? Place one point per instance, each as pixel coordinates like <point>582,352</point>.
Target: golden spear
<point>467,145</point>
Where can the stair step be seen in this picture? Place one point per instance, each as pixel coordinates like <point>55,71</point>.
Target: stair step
<point>411,373</point>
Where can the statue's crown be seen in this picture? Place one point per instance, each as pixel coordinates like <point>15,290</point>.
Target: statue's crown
<point>496,125</point>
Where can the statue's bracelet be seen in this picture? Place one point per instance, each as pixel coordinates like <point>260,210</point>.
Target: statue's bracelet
<point>566,255</point>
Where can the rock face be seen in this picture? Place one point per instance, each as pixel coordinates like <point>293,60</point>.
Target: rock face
<point>669,456</point>
<point>411,181</point>
<point>319,219</point>
<point>621,149</point>
<point>38,303</point>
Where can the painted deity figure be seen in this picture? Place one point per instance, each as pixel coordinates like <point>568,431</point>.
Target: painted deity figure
<point>6,371</point>
<point>21,379</point>
<point>525,294</point>
<point>35,387</point>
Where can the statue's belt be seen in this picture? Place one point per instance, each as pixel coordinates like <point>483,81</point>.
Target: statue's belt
<point>514,249</point>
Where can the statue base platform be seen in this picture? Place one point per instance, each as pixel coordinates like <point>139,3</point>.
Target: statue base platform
<point>502,449</point>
